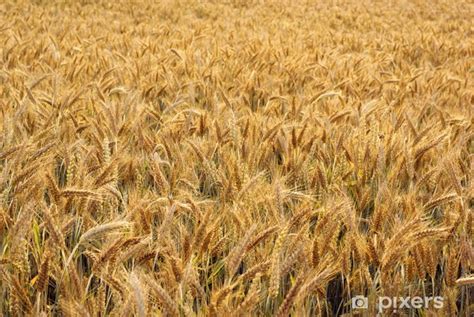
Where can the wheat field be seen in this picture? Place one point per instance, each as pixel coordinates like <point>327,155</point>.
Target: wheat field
<point>239,158</point>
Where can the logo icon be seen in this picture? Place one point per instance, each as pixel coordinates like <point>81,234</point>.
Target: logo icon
<point>360,302</point>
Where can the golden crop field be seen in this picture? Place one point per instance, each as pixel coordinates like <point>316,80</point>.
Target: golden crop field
<point>238,158</point>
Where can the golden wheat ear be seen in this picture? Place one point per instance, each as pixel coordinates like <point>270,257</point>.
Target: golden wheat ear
<point>91,234</point>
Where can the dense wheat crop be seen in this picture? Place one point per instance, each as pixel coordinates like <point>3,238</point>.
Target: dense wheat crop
<point>184,158</point>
